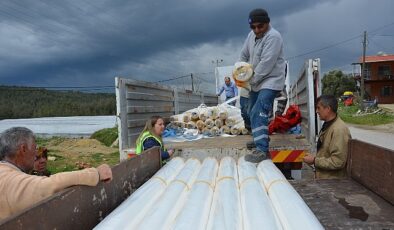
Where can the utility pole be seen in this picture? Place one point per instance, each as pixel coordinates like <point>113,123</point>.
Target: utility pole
<point>191,76</point>
<point>217,61</point>
<point>363,70</point>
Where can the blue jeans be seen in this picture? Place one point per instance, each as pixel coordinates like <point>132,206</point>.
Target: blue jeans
<point>244,103</point>
<point>260,105</point>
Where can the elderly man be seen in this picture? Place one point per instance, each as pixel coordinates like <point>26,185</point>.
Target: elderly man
<point>231,90</point>
<point>332,145</point>
<point>263,49</point>
<point>18,189</point>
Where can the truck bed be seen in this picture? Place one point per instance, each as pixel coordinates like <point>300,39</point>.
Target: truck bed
<point>345,204</point>
<point>233,146</point>
<point>338,204</point>
<point>277,142</point>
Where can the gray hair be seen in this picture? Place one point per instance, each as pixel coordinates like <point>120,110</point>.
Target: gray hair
<point>328,101</point>
<point>12,138</point>
<point>227,78</point>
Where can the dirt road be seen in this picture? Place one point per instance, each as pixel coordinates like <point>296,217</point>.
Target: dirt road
<point>382,135</point>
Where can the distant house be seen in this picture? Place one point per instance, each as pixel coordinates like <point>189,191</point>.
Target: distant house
<point>379,77</point>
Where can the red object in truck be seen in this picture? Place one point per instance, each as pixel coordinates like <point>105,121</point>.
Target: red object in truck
<point>283,123</point>
<point>348,101</point>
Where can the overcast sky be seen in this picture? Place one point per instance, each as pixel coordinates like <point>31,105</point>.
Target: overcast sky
<point>88,43</point>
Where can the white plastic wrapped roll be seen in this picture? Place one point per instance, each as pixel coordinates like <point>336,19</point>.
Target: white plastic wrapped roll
<point>213,112</point>
<point>200,125</point>
<point>225,130</point>
<point>209,123</point>
<point>243,71</point>
<point>164,211</point>
<point>177,117</point>
<point>223,114</point>
<point>191,125</point>
<point>218,123</point>
<point>233,120</point>
<point>256,206</point>
<point>133,209</point>
<point>226,207</point>
<point>195,212</point>
<point>291,209</point>
<point>215,131</point>
<point>186,117</point>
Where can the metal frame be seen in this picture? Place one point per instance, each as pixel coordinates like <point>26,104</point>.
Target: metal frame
<point>304,93</point>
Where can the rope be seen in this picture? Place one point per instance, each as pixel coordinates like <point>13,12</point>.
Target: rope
<point>205,182</point>
<point>160,179</point>
<point>273,182</point>
<point>182,182</point>
<point>247,179</point>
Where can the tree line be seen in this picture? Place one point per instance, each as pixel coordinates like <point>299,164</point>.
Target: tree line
<point>27,102</point>
<point>336,82</point>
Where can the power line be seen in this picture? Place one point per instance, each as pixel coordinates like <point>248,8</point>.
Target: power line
<point>338,43</point>
<point>384,35</point>
<point>174,78</point>
<point>323,48</point>
<point>183,76</point>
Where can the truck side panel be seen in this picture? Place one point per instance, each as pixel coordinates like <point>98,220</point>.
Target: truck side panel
<point>373,167</point>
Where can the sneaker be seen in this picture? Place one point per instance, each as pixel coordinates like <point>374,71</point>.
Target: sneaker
<point>250,145</point>
<point>257,156</point>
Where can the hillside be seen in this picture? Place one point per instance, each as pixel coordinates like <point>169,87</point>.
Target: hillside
<point>26,102</point>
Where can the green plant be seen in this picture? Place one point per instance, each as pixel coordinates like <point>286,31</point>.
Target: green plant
<point>349,115</point>
<point>106,136</point>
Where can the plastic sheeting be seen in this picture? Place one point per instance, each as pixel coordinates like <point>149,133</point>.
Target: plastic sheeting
<point>164,211</point>
<point>133,209</point>
<point>195,213</point>
<point>208,196</point>
<point>292,211</point>
<point>226,206</point>
<point>257,211</point>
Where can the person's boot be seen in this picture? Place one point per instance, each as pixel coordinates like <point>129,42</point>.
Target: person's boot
<point>250,145</point>
<point>257,156</point>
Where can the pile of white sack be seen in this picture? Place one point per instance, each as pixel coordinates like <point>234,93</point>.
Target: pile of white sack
<point>211,121</point>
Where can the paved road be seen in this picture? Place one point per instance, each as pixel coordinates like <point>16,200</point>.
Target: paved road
<point>383,139</point>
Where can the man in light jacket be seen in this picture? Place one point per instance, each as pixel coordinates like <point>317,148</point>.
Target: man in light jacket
<point>263,49</point>
<point>18,189</point>
<point>332,145</point>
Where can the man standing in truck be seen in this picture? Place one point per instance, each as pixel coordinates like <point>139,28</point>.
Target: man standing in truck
<point>263,49</point>
<point>18,189</point>
<point>332,145</point>
<point>230,89</point>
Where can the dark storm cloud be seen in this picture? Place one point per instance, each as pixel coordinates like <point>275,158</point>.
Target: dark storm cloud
<point>89,42</point>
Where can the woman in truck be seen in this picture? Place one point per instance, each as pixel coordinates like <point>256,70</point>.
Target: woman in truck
<point>151,136</point>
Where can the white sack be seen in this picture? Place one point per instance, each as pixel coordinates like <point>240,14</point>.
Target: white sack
<point>194,214</point>
<point>226,207</point>
<point>291,209</point>
<point>164,211</point>
<point>132,210</point>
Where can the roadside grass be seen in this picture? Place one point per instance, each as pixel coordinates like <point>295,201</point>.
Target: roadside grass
<point>348,115</point>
